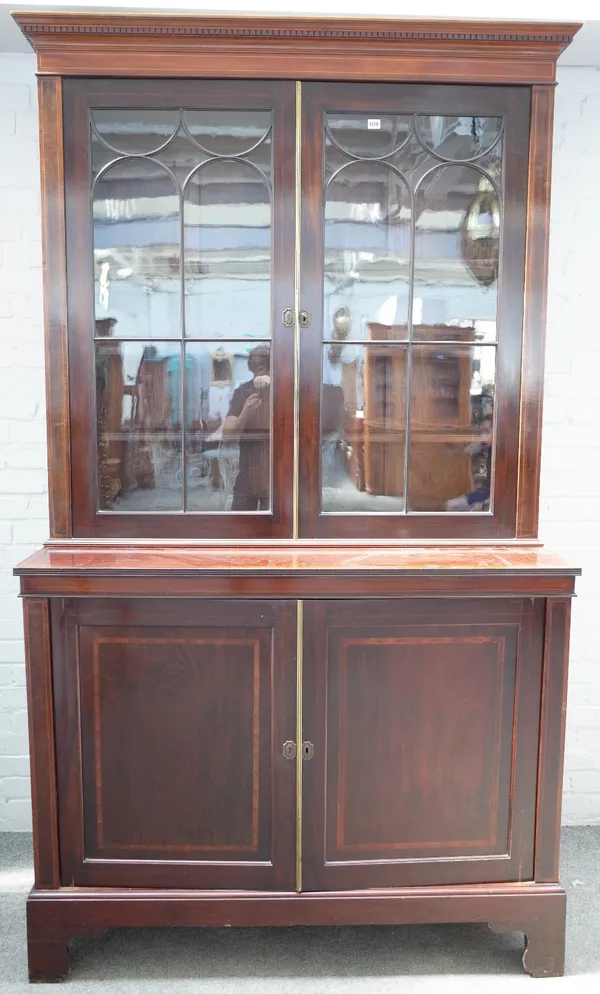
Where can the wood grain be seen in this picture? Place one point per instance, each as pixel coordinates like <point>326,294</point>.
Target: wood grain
<point>40,711</point>
<point>534,318</point>
<point>133,679</point>
<point>552,740</point>
<point>55,304</point>
<point>538,910</point>
<point>296,570</point>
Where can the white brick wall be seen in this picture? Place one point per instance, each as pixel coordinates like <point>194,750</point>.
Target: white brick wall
<point>23,499</point>
<point>570,506</point>
<point>570,490</point>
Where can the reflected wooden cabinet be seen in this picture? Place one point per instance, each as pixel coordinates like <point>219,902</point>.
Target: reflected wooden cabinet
<point>441,420</point>
<point>295,655</point>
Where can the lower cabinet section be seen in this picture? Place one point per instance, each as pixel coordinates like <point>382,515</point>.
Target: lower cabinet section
<point>405,768</point>
<point>177,724</point>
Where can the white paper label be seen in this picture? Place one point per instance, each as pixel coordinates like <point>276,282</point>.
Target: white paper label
<point>373,124</point>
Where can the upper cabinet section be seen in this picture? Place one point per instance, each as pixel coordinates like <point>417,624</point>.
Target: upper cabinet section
<point>309,305</point>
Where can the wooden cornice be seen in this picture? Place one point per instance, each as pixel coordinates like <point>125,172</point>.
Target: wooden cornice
<point>282,47</point>
<point>36,24</point>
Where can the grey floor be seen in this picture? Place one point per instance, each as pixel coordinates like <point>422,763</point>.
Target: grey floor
<point>424,959</point>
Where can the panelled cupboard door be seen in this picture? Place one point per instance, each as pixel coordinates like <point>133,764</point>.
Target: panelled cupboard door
<point>180,214</point>
<point>172,718</point>
<point>424,718</point>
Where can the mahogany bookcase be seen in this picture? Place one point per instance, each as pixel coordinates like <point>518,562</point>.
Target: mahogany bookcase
<point>295,654</point>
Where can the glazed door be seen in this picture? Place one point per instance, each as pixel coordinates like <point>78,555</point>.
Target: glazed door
<point>172,717</point>
<point>423,717</point>
<point>180,243</point>
<point>412,260</point>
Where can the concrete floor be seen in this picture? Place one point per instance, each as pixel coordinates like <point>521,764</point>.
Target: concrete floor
<point>445,959</point>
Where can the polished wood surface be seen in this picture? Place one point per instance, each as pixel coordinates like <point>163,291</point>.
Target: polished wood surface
<point>368,585</point>
<point>296,557</point>
<point>486,51</point>
<point>536,287</point>
<point>537,910</point>
<point>297,571</point>
<point>424,717</point>
<point>170,762</point>
<point>50,99</point>
<point>40,713</point>
<point>552,739</point>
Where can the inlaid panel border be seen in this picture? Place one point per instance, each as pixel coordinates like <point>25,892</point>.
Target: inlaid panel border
<point>492,839</point>
<point>105,640</point>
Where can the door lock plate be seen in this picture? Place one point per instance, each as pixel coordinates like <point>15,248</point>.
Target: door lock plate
<point>289,750</point>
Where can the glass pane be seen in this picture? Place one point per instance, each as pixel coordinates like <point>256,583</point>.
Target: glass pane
<point>367,252</point>
<point>457,138</point>
<point>227,132</point>
<point>132,131</point>
<point>367,135</point>
<point>363,410</point>
<point>136,251</point>
<point>451,428</point>
<point>457,240</point>
<point>138,409</point>
<point>228,433</point>
<point>227,216</point>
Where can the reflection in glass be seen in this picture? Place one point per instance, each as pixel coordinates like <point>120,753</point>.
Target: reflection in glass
<point>367,136</point>
<point>134,131</point>
<point>227,132</point>
<point>227,217</point>
<point>363,427</point>
<point>367,252</point>
<point>457,244</point>
<point>459,138</point>
<point>451,427</point>
<point>136,250</point>
<point>138,411</point>
<point>228,434</point>
<point>432,194</point>
<point>199,437</point>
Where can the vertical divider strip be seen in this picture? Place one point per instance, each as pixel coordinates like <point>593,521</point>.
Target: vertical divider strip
<point>409,345</point>
<point>298,184</point>
<point>296,509</point>
<point>182,336</point>
<point>299,738</point>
